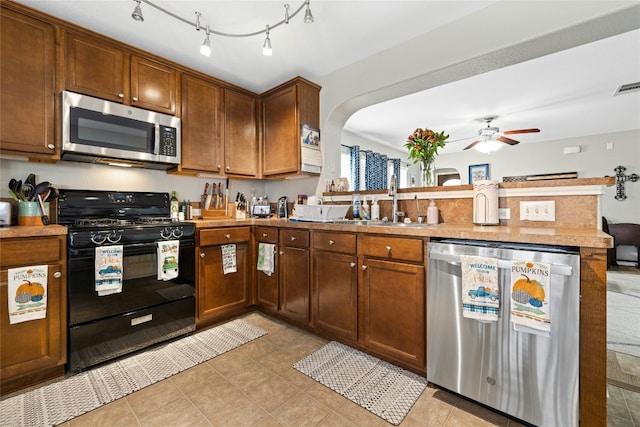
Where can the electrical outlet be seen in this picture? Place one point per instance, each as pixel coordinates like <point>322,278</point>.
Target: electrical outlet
<point>504,213</point>
<point>538,211</point>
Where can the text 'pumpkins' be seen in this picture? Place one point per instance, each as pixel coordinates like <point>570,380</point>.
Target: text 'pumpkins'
<point>528,291</point>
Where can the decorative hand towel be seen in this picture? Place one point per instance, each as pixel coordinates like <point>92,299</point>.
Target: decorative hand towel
<point>108,269</point>
<point>266,258</point>
<point>480,289</point>
<point>168,252</point>
<point>27,293</point>
<point>530,297</point>
<point>229,259</point>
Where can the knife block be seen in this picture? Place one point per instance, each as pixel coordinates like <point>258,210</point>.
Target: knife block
<point>221,213</point>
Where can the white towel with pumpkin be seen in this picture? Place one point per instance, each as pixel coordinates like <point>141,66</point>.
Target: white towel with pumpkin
<point>108,270</point>
<point>168,255</point>
<point>27,293</point>
<point>480,289</point>
<point>531,297</point>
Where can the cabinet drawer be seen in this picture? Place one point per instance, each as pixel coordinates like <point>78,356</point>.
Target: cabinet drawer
<point>32,250</point>
<point>291,237</point>
<point>222,236</point>
<point>334,242</point>
<point>266,234</point>
<point>391,247</point>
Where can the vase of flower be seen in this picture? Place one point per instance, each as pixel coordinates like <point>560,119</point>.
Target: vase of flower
<point>427,173</point>
<point>423,147</point>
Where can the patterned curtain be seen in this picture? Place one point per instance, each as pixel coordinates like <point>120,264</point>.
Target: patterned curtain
<point>354,154</point>
<point>376,170</point>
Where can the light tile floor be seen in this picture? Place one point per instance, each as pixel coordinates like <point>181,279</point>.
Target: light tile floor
<point>255,385</point>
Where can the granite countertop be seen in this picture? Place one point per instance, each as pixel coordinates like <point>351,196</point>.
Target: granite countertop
<point>580,237</point>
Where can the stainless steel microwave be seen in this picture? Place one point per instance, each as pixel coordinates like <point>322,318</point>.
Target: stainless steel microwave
<point>99,131</point>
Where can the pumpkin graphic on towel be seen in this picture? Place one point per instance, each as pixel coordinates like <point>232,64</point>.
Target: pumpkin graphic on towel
<point>528,291</point>
<point>29,291</point>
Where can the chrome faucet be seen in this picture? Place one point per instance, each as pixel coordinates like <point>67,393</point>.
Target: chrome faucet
<point>393,191</point>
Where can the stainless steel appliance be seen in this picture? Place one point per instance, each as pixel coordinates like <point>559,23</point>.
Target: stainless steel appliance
<point>99,131</point>
<point>282,207</point>
<point>148,310</point>
<point>530,377</point>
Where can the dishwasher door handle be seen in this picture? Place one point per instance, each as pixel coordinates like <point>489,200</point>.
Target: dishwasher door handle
<point>563,270</point>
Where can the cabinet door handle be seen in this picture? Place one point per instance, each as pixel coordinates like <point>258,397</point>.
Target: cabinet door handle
<point>293,238</point>
<point>228,168</point>
<point>57,275</point>
<point>51,146</point>
<point>265,235</point>
<point>331,242</point>
<point>353,264</point>
<point>364,267</point>
<point>388,248</point>
<point>228,236</point>
<point>219,167</point>
<point>121,95</point>
<point>135,99</point>
<point>281,252</point>
<point>201,254</point>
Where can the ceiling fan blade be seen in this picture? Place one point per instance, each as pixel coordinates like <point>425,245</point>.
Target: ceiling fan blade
<point>507,140</point>
<point>512,132</point>
<point>471,145</point>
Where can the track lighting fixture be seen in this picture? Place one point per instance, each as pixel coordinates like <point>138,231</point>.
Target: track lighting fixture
<point>137,12</point>
<point>266,49</point>
<point>205,49</point>
<point>308,17</point>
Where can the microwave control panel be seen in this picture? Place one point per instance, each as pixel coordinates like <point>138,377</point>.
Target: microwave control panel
<point>167,144</point>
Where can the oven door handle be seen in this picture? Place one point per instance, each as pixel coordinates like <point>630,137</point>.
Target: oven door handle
<point>129,249</point>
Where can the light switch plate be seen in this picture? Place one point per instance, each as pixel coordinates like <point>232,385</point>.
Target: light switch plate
<point>538,211</point>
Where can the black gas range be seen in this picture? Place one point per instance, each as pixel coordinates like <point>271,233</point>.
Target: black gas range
<point>145,307</point>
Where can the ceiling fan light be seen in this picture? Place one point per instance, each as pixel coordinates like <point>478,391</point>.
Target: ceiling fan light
<point>488,146</point>
<point>266,48</point>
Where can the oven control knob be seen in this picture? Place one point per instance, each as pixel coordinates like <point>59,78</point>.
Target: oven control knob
<point>114,237</point>
<point>177,232</point>
<point>98,239</point>
<point>165,233</point>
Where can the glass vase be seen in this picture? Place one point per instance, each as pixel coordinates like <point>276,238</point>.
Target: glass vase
<point>427,172</point>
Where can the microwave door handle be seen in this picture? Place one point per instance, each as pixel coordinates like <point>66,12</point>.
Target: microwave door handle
<point>156,136</point>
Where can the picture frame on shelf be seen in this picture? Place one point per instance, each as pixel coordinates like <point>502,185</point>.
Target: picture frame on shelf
<point>478,172</point>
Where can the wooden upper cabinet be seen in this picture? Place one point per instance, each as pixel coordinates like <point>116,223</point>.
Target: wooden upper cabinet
<point>153,85</point>
<point>202,126</point>
<point>240,136</point>
<point>106,71</point>
<point>27,62</point>
<point>284,110</point>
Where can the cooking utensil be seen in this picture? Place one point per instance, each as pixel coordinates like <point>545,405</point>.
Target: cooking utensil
<point>29,186</point>
<point>44,216</point>
<point>215,196</point>
<point>220,196</point>
<point>52,194</point>
<point>12,189</point>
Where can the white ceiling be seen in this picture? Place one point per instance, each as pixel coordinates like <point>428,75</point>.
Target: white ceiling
<point>565,94</point>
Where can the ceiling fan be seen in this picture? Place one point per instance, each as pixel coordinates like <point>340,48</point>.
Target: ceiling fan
<point>492,133</point>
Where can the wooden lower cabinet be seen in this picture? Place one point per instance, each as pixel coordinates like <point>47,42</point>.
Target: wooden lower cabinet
<point>393,310</point>
<point>220,295</point>
<point>35,350</point>
<point>335,285</point>
<point>267,289</point>
<point>294,283</point>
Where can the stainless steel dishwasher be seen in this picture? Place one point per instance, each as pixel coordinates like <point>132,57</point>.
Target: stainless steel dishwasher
<point>530,377</point>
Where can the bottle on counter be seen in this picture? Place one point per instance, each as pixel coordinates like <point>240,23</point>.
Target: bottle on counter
<point>174,205</point>
<point>432,213</point>
<point>375,211</point>
<point>365,209</point>
<point>356,206</point>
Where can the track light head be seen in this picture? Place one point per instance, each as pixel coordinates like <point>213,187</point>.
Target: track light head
<point>266,48</point>
<point>205,49</point>
<point>137,12</point>
<point>286,13</point>
<point>308,17</point>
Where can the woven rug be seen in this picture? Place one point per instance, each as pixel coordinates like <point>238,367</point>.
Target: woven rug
<point>380,387</point>
<point>56,403</point>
